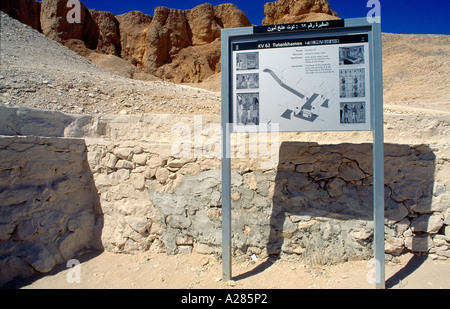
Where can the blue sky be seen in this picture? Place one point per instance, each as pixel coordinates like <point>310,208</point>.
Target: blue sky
<point>397,16</point>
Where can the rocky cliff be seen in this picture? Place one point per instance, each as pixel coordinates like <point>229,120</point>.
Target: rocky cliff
<point>178,45</point>
<point>294,11</point>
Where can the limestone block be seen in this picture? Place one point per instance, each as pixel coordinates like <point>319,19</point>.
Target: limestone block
<point>110,161</point>
<point>36,255</point>
<point>427,223</point>
<point>350,171</point>
<point>74,242</point>
<point>447,219</point>
<point>138,181</point>
<point>124,164</point>
<point>119,177</point>
<point>162,174</point>
<point>203,248</point>
<point>84,221</point>
<point>335,187</point>
<point>184,240</point>
<point>140,159</point>
<point>141,225</point>
<point>402,226</point>
<point>394,246</point>
<point>250,180</point>
<point>123,153</point>
<point>419,243</point>
<point>12,267</point>
<point>154,161</point>
<point>395,211</point>
<point>447,231</point>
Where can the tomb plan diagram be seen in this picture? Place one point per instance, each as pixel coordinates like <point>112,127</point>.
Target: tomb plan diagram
<point>302,84</point>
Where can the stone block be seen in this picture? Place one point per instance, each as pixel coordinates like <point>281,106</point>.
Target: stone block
<point>162,174</point>
<point>418,243</point>
<point>427,223</point>
<point>123,153</point>
<point>138,181</point>
<point>350,171</point>
<point>395,211</point>
<point>140,159</point>
<point>124,164</point>
<point>394,246</point>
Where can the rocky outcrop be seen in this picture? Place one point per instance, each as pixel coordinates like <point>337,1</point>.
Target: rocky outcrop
<point>26,11</point>
<point>55,25</point>
<point>133,27</point>
<point>192,64</point>
<point>167,35</point>
<point>183,45</point>
<point>109,38</point>
<point>292,11</point>
<point>177,45</point>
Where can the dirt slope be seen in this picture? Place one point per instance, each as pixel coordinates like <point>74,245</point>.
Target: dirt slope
<point>37,72</point>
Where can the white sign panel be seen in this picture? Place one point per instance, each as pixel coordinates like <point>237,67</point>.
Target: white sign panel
<point>302,84</point>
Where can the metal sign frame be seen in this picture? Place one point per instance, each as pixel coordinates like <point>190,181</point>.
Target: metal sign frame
<point>263,34</point>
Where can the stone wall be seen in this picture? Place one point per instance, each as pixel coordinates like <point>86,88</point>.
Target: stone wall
<point>49,208</point>
<point>314,202</point>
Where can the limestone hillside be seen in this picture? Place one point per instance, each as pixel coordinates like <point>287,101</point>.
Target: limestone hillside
<point>37,72</point>
<point>177,45</point>
<point>173,44</point>
<point>184,46</point>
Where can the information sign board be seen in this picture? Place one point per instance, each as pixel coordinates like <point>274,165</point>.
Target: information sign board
<point>306,77</point>
<point>302,82</point>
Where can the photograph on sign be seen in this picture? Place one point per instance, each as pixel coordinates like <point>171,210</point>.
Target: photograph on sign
<point>351,55</point>
<point>302,84</point>
<point>247,81</point>
<point>247,108</point>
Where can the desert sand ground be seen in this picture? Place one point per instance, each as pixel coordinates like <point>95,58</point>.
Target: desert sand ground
<point>193,271</point>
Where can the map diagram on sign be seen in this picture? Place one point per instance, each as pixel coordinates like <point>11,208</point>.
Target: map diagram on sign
<point>309,105</point>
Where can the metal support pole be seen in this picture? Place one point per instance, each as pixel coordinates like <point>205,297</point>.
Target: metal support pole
<point>226,147</point>
<point>226,209</point>
<point>226,165</point>
<point>226,221</point>
<point>378,161</point>
<point>378,211</point>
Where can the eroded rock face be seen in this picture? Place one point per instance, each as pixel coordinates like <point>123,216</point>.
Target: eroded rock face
<point>55,25</point>
<point>108,39</point>
<point>292,11</point>
<point>167,35</point>
<point>178,45</point>
<point>25,11</point>
<point>202,25</point>
<point>133,27</point>
<point>183,45</point>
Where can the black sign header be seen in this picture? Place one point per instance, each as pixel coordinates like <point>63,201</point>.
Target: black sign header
<point>315,25</point>
<point>301,42</point>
